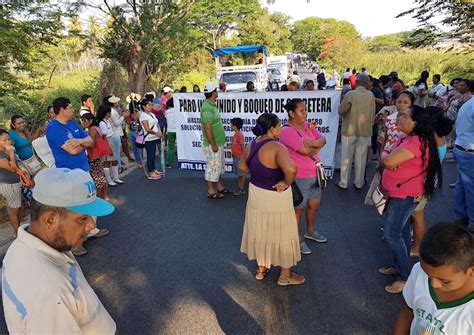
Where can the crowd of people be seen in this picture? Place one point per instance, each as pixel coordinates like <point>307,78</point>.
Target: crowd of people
<point>409,132</point>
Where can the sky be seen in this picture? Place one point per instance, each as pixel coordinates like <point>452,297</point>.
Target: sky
<point>370,17</point>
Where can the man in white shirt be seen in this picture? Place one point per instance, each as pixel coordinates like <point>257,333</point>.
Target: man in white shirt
<point>43,288</point>
<point>87,105</point>
<point>436,90</point>
<point>347,74</point>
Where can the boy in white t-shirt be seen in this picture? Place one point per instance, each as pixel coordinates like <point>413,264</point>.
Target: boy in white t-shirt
<point>439,293</point>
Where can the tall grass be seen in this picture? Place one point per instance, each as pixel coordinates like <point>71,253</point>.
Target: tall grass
<point>409,64</point>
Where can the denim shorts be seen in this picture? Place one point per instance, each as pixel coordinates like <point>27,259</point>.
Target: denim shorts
<point>309,189</point>
<point>237,172</point>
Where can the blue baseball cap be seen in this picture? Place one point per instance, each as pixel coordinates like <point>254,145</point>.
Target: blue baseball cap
<point>71,189</point>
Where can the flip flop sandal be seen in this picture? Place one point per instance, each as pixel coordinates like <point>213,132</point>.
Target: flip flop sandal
<point>216,195</point>
<point>261,275</point>
<point>225,191</point>
<point>392,290</point>
<point>388,270</point>
<point>285,281</point>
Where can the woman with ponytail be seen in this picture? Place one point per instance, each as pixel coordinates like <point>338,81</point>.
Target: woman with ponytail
<point>409,173</point>
<point>270,233</point>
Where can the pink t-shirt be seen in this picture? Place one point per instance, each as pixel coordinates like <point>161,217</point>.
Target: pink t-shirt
<point>292,138</point>
<point>407,170</point>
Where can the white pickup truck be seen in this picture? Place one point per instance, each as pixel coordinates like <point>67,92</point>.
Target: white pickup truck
<point>236,77</point>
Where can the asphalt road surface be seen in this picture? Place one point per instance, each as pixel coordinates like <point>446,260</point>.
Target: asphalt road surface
<point>172,264</point>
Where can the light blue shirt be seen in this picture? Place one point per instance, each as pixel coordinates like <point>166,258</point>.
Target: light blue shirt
<point>465,125</point>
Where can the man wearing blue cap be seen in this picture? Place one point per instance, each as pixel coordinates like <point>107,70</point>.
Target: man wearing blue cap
<point>43,288</point>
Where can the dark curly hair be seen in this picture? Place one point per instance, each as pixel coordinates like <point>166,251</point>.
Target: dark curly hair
<point>424,130</point>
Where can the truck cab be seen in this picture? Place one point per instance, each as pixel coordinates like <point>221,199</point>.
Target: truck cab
<point>237,76</point>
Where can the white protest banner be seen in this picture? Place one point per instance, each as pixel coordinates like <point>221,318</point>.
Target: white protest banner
<point>322,111</point>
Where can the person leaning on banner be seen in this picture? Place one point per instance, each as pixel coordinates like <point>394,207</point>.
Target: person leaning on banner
<point>213,143</point>
<point>43,288</point>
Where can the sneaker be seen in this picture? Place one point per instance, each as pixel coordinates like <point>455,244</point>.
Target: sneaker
<point>99,233</point>
<point>238,192</point>
<point>118,181</point>
<point>153,176</point>
<point>316,237</point>
<point>452,185</point>
<point>80,251</point>
<point>304,248</point>
<point>112,184</point>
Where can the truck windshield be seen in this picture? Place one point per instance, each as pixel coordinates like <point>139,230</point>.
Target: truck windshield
<point>238,77</point>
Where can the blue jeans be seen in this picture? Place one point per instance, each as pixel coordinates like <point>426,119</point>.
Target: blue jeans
<point>464,191</point>
<point>117,149</point>
<point>396,231</point>
<point>150,147</point>
<point>136,151</point>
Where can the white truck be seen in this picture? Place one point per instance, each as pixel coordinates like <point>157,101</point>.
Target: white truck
<point>236,77</point>
<point>279,63</point>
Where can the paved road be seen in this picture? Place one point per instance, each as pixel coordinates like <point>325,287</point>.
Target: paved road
<point>172,264</point>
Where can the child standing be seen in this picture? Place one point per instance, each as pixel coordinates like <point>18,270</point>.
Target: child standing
<point>237,149</point>
<point>439,293</point>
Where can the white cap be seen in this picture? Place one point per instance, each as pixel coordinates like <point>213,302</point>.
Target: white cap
<point>167,89</point>
<point>210,87</point>
<point>71,189</point>
<point>133,97</point>
<point>113,99</point>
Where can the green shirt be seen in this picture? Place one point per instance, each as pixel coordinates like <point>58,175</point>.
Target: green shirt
<point>210,115</point>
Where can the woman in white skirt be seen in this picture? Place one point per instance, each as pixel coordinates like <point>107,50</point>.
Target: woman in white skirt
<point>270,231</point>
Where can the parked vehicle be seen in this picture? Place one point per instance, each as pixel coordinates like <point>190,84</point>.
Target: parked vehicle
<point>237,76</point>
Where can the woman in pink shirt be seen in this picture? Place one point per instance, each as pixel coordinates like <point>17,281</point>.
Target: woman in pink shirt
<point>304,142</point>
<point>409,173</point>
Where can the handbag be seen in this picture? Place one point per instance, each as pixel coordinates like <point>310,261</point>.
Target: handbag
<point>101,147</point>
<point>140,140</point>
<point>379,199</point>
<point>380,195</point>
<point>32,165</point>
<point>321,178</point>
<point>297,195</point>
<point>295,190</point>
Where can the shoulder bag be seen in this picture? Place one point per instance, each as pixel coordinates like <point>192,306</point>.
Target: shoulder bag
<point>380,195</point>
<point>101,147</point>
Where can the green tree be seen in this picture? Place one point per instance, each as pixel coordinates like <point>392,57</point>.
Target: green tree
<point>309,35</point>
<point>214,19</point>
<point>270,30</point>
<point>456,15</point>
<point>143,37</point>
<point>388,42</point>
<point>27,28</point>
